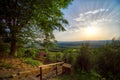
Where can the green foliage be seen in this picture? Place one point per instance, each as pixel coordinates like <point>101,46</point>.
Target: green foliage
<point>70,56</point>
<point>109,62</point>
<point>50,58</point>
<point>24,18</point>
<point>59,56</point>
<point>54,57</point>
<point>94,63</point>
<point>80,76</point>
<point>83,62</point>
<point>21,52</point>
<point>31,52</point>
<point>32,62</point>
<point>4,48</point>
<point>27,52</point>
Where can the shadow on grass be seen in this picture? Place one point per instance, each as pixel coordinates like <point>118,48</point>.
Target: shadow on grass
<point>79,76</point>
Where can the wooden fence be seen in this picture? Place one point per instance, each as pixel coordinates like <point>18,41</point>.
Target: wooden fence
<point>50,70</point>
<point>43,73</point>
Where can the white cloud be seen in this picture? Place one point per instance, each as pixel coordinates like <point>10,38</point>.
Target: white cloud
<point>81,14</point>
<point>79,19</point>
<point>91,18</point>
<point>96,11</point>
<point>106,20</point>
<point>85,16</point>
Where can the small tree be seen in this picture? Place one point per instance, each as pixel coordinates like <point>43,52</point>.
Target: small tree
<point>83,62</point>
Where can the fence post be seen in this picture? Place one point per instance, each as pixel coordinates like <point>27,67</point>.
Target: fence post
<point>40,73</point>
<point>56,69</point>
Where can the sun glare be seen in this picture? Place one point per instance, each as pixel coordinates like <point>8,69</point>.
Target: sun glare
<point>90,30</point>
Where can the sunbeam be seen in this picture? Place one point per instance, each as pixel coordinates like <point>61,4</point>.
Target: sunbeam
<point>98,15</point>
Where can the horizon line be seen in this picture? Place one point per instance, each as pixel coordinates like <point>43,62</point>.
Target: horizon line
<point>88,40</point>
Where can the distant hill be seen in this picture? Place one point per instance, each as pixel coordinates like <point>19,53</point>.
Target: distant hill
<point>65,44</point>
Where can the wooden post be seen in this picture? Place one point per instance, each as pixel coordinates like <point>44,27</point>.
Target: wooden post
<point>56,69</point>
<point>40,73</point>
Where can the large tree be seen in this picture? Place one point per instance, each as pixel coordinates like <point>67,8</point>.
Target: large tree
<point>19,15</point>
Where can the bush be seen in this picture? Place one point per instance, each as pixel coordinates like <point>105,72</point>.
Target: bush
<point>28,53</point>
<point>21,52</point>
<point>4,48</point>
<point>54,57</point>
<point>109,62</point>
<point>83,62</point>
<point>70,56</point>
<point>59,56</point>
<point>31,52</point>
<point>51,57</point>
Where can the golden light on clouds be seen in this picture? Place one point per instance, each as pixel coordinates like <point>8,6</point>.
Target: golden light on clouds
<point>91,20</point>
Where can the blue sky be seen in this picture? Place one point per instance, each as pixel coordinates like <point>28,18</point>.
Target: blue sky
<point>91,20</point>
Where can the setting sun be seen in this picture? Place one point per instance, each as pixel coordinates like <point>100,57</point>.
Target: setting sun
<point>90,30</point>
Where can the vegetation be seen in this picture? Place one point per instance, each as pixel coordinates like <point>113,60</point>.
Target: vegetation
<point>109,61</point>
<point>23,21</point>
<point>94,63</point>
<point>26,26</point>
<point>5,65</point>
<point>32,62</point>
<point>83,61</point>
<point>80,76</point>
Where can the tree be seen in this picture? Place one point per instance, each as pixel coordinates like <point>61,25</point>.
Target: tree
<point>83,61</point>
<point>14,16</point>
<point>45,14</point>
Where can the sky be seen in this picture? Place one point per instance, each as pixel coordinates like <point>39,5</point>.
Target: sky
<point>91,20</point>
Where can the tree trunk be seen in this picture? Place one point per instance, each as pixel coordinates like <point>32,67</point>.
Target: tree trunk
<point>13,49</point>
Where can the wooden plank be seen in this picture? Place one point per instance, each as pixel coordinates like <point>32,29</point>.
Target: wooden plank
<point>58,63</point>
<point>67,65</point>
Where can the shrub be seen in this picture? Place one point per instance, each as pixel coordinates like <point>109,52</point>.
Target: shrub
<point>4,48</point>
<point>70,56</point>
<point>83,62</point>
<point>21,52</point>
<point>59,56</point>
<point>51,57</point>
<point>109,62</point>
<point>30,52</point>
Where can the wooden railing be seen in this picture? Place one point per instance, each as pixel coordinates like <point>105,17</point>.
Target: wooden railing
<point>44,72</point>
<point>50,69</point>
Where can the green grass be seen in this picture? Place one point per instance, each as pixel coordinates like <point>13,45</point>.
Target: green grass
<point>32,62</point>
<point>79,76</point>
<point>52,56</point>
